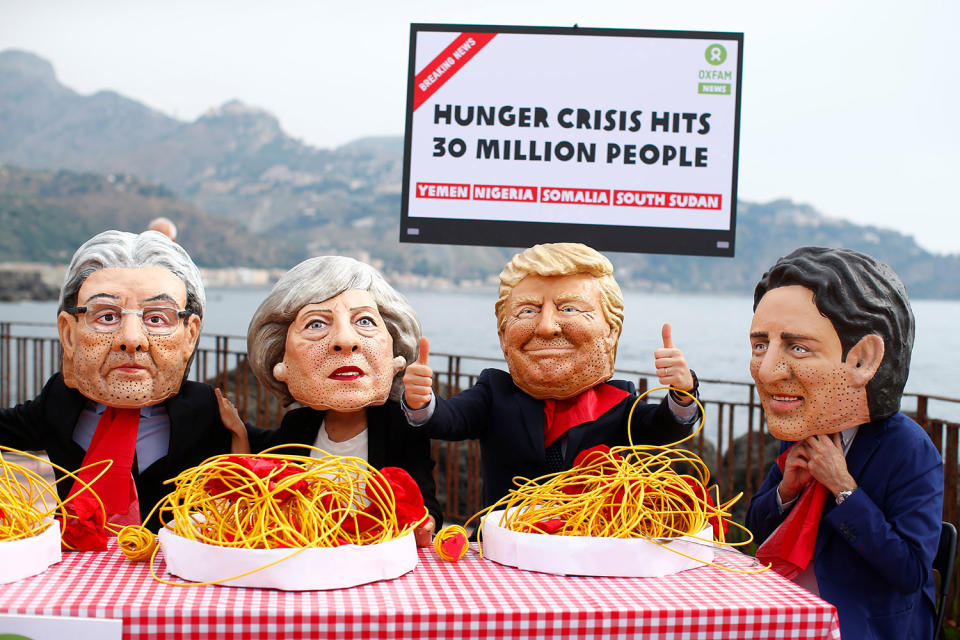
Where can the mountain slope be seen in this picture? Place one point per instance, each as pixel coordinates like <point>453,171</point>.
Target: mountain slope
<point>47,215</point>
<point>234,160</point>
<point>246,193</point>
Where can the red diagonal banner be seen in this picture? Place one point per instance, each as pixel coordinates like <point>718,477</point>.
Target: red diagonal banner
<point>450,60</point>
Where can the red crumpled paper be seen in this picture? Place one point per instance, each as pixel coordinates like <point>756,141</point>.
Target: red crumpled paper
<point>595,461</point>
<point>273,469</point>
<point>409,506</point>
<point>85,530</point>
<point>599,454</point>
<point>409,501</point>
<point>549,526</point>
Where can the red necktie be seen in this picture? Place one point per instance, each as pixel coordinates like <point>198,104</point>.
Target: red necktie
<point>115,439</point>
<point>559,416</point>
<point>790,547</point>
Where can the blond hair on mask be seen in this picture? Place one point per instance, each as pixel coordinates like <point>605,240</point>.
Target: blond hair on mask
<point>563,259</point>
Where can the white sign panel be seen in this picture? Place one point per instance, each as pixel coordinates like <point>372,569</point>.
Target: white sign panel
<point>624,140</point>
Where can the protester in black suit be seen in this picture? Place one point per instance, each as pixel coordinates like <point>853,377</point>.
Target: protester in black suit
<point>559,317</point>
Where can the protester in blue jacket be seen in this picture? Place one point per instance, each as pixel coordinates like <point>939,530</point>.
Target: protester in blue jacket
<point>831,338</point>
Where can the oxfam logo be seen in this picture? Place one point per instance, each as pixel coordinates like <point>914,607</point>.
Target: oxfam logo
<point>715,54</point>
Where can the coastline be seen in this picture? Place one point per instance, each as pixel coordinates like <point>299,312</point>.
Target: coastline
<point>712,330</point>
<point>37,282</point>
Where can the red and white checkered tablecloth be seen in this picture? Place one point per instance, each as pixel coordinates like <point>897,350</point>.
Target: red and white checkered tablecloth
<point>470,598</point>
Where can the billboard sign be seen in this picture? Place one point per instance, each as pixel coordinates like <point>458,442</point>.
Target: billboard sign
<point>625,140</point>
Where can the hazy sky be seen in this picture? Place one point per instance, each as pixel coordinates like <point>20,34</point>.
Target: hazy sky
<point>847,106</point>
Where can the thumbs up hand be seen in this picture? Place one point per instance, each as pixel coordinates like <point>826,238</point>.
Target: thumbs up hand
<point>418,379</point>
<point>672,368</point>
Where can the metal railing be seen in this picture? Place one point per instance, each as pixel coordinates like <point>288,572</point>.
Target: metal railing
<point>733,442</point>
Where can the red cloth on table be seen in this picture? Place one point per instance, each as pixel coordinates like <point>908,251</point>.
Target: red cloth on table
<point>790,547</point>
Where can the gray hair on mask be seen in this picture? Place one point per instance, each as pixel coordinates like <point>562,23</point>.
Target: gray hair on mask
<point>122,250</point>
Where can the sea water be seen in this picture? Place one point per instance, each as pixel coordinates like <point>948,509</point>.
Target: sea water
<point>712,331</point>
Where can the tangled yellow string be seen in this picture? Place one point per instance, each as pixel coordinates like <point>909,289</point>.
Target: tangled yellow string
<point>447,534</point>
<point>25,502</point>
<point>634,491</point>
<point>28,502</point>
<point>301,503</point>
<point>638,495</point>
<point>137,543</point>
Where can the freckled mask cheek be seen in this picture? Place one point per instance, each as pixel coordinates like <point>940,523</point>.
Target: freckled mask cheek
<point>170,355</point>
<point>312,381</point>
<point>97,374</point>
<point>563,375</point>
<point>67,369</point>
<point>830,405</point>
<point>304,378</point>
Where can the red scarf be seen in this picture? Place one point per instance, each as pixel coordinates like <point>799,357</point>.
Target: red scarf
<point>114,439</point>
<point>790,547</point>
<point>559,416</point>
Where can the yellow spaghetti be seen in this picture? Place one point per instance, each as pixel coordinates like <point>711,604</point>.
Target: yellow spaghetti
<point>450,543</point>
<point>271,501</point>
<point>28,502</point>
<point>626,492</point>
<point>633,491</point>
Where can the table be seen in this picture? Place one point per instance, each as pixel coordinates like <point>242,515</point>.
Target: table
<point>471,598</point>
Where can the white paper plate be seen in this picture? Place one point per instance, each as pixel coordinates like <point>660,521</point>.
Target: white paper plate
<point>21,559</point>
<point>588,556</point>
<point>309,570</point>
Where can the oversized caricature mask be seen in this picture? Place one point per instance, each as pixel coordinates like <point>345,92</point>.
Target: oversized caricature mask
<point>805,384</point>
<point>555,337</point>
<point>339,354</point>
<point>129,348</point>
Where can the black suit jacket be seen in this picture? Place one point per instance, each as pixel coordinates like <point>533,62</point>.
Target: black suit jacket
<point>509,425</point>
<point>47,423</point>
<point>391,441</point>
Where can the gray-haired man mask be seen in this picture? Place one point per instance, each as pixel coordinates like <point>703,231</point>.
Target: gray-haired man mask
<point>129,329</point>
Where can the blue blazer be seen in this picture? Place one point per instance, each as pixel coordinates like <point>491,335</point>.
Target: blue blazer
<point>509,425</point>
<point>874,553</point>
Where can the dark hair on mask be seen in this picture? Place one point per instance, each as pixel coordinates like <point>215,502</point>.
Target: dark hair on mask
<point>859,295</point>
